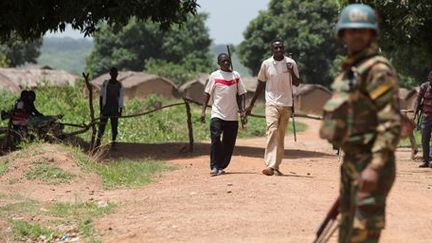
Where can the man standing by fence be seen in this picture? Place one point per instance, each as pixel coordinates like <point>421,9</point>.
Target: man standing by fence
<point>223,86</point>
<point>111,106</point>
<point>277,75</point>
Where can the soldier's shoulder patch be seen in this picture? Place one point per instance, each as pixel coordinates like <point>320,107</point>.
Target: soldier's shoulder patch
<point>381,89</point>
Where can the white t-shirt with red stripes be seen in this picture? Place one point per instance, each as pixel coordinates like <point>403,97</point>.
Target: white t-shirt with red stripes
<point>223,88</point>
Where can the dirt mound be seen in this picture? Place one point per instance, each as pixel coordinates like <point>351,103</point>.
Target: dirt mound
<point>47,172</point>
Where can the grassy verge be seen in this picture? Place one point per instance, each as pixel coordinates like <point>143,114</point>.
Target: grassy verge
<point>24,230</point>
<point>123,173</point>
<point>53,218</point>
<point>49,173</point>
<point>4,165</point>
<point>168,125</point>
<point>129,173</point>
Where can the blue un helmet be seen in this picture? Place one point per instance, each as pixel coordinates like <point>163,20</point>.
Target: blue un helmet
<point>357,16</point>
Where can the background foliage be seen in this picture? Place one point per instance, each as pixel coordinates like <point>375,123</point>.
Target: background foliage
<point>183,47</point>
<point>31,19</point>
<point>15,51</point>
<point>307,29</point>
<point>405,31</point>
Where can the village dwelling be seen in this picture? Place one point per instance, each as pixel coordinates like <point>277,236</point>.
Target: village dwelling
<point>310,98</point>
<point>8,85</point>
<point>140,85</point>
<point>251,83</point>
<point>15,79</point>
<point>194,89</point>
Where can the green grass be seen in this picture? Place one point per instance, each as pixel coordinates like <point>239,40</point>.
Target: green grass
<point>81,210</point>
<point>4,165</point>
<point>168,125</point>
<point>123,173</point>
<point>22,207</point>
<point>49,173</point>
<point>25,230</point>
<point>129,173</point>
<point>406,143</point>
<point>81,214</point>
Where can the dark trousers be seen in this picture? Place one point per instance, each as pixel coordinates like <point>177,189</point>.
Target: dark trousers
<point>221,150</point>
<point>102,124</point>
<point>426,136</point>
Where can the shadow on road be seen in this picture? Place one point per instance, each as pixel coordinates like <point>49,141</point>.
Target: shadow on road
<point>168,151</point>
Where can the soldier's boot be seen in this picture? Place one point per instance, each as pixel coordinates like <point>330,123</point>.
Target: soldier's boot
<point>424,165</point>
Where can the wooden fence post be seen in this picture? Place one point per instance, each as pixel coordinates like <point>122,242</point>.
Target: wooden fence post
<point>92,123</point>
<point>189,124</point>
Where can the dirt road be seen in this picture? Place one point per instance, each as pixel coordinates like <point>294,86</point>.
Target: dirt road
<point>187,205</point>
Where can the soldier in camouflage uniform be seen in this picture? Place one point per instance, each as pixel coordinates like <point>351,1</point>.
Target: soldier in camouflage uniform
<point>363,118</point>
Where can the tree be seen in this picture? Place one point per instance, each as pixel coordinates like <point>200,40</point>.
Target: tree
<point>307,28</point>
<point>405,34</point>
<point>30,19</point>
<point>184,47</point>
<point>15,52</point>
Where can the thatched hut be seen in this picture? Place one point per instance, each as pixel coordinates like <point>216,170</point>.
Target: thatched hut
<point>310,98</point>
<point>194,89</point>
<point>140,85</point>
<point>8,85</point>
<point>33,77</point>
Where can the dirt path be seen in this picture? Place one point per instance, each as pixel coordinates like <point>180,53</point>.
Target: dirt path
<point>187,205</point>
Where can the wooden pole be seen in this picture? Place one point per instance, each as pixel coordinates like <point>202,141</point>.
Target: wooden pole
<point>189,125</point>
<point>92,117</point>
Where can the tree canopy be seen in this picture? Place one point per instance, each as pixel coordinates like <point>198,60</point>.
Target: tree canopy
<point>15,52</point>
<point>32,18</point>
<point>138,45</point>
<point>405,32</point>
<point>307,29</point>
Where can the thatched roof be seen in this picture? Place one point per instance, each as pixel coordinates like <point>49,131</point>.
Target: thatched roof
<point>33,77</point>
<point>304,89</point>
<point>6,84</point>
<point>130,79</point>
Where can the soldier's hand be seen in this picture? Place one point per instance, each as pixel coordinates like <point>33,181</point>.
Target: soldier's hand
<point>369,180</point>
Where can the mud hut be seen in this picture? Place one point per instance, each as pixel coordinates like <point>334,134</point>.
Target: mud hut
<point>194,89</point>
<point>8,85</point>
<point>251,83</point>
<point>310,98</point>
<point>140,85</point>
<point>33,77</point>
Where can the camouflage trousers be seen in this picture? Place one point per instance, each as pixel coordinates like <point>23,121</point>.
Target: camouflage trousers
<point>363,213</point>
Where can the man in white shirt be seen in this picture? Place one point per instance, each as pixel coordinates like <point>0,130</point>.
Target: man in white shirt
<point>277,75</point>
<point>223,86</point>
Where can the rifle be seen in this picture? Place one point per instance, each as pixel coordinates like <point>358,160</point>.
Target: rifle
<point>324,231</point>
<point>293,110</point>
<point>243,118</point>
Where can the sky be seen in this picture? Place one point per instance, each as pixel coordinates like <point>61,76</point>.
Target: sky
<point>226,22</point>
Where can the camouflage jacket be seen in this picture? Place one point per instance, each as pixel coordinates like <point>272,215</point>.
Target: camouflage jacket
<point>373,117</point>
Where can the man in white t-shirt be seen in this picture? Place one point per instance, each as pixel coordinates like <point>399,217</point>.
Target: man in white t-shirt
<point>223,87</point>
<point>277,75</point>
